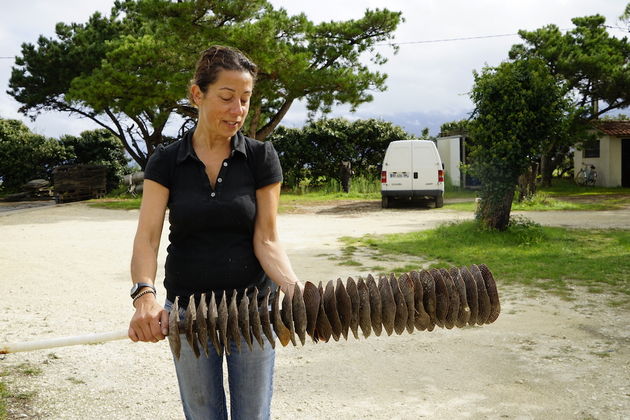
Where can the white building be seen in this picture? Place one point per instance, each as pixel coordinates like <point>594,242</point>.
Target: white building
<point>452,150</point>
<point>610,154</point>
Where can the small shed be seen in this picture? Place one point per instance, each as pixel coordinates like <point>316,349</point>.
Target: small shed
<point>79,182</point>
<point>610,154</point>
<point>453,152</point>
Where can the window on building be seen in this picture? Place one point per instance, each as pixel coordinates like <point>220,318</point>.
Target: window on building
<point>591,149</point>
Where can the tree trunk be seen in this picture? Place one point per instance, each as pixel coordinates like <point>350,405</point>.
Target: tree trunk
<point>547,166</point>
<point>494,209</point>
<point>527,183</point>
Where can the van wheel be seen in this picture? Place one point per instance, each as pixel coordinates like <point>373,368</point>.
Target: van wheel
<point>439,201</point>
<point>385,202</point>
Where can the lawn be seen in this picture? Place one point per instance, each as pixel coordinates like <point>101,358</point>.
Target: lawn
<point>548,258</point>
<point>564,195</point>
<point>544,201</point>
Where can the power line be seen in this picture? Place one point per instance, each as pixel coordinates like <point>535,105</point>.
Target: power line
<point>431,41</point>
<point>434,41</point>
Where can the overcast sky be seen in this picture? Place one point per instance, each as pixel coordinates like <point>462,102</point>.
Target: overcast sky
<point>427,84</point>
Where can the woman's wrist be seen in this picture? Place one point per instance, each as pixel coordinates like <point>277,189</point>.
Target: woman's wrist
<point>144,296</point>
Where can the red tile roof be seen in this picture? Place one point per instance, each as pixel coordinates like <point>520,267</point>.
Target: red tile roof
<point>613,128</point>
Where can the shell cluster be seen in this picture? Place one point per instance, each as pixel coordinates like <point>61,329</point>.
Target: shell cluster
<point>418,300</point>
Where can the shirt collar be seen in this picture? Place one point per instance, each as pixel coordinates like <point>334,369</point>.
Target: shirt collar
<point>186,150</point>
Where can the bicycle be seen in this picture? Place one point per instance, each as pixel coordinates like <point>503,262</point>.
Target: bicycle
<point>587,176</point>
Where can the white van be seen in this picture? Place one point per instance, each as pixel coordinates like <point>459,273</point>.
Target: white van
<point>412,169</point>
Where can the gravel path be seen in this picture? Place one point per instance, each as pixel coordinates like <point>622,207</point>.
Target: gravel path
<point>64,271</point>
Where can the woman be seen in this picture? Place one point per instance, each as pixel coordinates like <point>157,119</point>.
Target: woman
<point>222,191</point>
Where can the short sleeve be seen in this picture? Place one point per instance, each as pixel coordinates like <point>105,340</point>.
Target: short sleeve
<point>268,169</point>
<point>158,167</point>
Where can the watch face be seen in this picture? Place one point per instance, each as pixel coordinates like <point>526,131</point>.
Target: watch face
<point>137,286</point>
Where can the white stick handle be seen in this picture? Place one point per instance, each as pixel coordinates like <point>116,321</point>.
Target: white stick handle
<point>63,341</point>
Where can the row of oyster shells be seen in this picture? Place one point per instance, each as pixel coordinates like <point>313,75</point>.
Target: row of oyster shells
<point>418,300</point>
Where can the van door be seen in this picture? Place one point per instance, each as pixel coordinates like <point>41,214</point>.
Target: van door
<point>425,167</point>
<point>398,166</point>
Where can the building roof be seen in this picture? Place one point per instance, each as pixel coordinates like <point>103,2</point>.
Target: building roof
<point>613,128</point>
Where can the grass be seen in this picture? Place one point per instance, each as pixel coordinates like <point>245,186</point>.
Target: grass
<point>302,195</point>
<point>4,395</point>
<point>29,370</point>
<point>290,201</point>
<point>132,203</point>
<point>562,187</point>
<point>15,398</point>
<point>563,195</point>
<point>548,258</point>
<point>543,201</point>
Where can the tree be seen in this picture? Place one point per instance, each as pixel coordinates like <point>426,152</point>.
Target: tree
<point>593,63</point>
<point>129,72</point>
<point>519,106</point>
<point>594,68</point>
<point>625,17</point>
<point>25,155</point>
<point>369,139</point>
<point>454,128</point>
<point>97,147</point>
<point>318,149</point>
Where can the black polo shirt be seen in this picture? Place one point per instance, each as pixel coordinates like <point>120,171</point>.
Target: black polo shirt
<point>211,230</point>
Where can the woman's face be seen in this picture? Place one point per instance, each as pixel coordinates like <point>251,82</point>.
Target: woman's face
<point>224,106</point>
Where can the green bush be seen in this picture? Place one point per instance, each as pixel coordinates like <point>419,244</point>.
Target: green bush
<point>316,151</point>
<point>25,156</point>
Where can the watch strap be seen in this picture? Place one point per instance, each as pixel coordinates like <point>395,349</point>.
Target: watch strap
<point>138,286</point>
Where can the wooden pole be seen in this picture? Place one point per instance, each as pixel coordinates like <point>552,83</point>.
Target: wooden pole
<point>63,341</point>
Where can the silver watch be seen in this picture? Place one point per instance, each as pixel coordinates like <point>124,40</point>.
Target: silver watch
<point>135,289</point>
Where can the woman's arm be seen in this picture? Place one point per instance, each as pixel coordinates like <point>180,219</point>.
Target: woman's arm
<point>150,321</point>
<point>267,247</point>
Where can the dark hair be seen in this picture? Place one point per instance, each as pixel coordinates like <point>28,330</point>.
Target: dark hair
<point>217,58</point>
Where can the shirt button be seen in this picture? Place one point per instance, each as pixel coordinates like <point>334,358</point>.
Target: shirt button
<point>212,195</point>
<point>224,163</point>
<point>219,179</point>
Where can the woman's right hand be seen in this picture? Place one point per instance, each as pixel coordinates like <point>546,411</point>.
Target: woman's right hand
<point>150,321</point>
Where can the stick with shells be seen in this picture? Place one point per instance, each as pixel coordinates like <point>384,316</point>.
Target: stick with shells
<point>419,300</point>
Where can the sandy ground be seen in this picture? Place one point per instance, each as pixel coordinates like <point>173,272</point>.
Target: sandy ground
<point>64,271</point>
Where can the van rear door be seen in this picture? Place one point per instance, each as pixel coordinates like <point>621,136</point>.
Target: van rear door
<point>398,165</point>
<point>425,166</point>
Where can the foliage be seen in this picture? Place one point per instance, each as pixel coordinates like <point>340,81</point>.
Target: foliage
<point>593,67</point>
<point>455,128</point>
<point>525,253</point>
<point>129,72</point>
<point>625,17</point>
<point>25,156</point>
<point>593,63</point>
<point>317,150</point>
<point>98,147</point>
<point>518,107</point>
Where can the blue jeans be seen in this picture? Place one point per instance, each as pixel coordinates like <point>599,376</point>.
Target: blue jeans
<point>250,377</point>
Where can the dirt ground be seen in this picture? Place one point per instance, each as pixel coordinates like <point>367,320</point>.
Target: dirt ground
<point>64,271</point>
